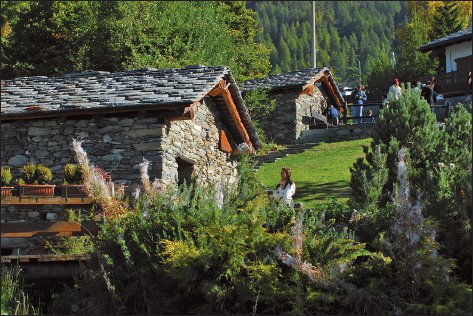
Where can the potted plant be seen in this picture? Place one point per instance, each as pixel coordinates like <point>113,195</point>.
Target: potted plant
<point>35,181</point>
<point>5,180</point>
<point>73,181</point>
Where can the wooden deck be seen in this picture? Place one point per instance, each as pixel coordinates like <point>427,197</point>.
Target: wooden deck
<point>53,200</point>
<point>31,229</point>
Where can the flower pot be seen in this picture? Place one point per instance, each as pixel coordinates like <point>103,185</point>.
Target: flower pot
<point>36,189</point>
<point>6,192</point>
<point>73,190</point>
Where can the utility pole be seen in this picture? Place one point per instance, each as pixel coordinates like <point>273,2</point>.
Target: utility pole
<point>314,49</point>
<point>359,68</point>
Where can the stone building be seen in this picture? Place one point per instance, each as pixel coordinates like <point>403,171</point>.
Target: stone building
<point>186,122</point>
<point>301,97</point>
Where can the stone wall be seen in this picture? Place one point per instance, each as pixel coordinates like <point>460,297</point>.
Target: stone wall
<point>337,134</point>
<point>305,106</point>
<point>198,140</point>
<point>118,144</point>
<point>285,124</point>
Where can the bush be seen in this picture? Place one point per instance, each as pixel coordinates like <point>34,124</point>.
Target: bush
<point>35,174</point>
<point>73,174</point>
<point>14,300</point>
<point>28,174</point>
<point>6,177</point>
<point>43,174</point>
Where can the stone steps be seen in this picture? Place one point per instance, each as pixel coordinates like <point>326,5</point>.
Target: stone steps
<point>276,155</point>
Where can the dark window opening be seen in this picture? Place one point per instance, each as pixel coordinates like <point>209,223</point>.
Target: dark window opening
<point>185,170</point>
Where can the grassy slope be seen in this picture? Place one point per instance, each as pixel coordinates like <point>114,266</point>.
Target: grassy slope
<point>320,173</point>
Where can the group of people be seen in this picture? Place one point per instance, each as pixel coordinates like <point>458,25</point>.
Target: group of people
<point>427,92</point>
<point>359,98</point>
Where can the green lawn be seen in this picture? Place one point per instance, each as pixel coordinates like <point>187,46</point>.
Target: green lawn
<point>320,173</point>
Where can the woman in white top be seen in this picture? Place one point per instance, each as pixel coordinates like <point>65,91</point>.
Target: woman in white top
<point>286,188</point>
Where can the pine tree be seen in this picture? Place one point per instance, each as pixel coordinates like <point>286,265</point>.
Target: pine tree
<point>447,19</point>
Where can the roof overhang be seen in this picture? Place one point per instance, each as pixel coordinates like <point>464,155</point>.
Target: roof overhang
<point>443,44</point>
<point>174,111</point>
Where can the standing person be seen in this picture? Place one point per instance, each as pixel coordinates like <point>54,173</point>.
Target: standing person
<point>428,93</point>
<point>395,90</point>
<point>385,101</point>
<point>358,97</point>
<point>285,188</point>
<point>370,118</point>
<point>332,115</point>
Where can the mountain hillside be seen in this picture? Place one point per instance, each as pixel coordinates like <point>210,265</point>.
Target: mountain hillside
<point>347,32</point>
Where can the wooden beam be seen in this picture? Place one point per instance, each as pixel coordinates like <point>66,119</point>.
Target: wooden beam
<point>313,80</point>
<point>224,144</point>
<point>30,229</point>
<point>327,83</point>
<point>220,89</point>
<point>309,90</point>
<point>44,258</point>
<point>187,114</point>
<point>168,110</point>
<point>54,200</point>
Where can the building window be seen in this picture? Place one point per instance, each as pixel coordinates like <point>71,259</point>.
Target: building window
<point>185,169</point>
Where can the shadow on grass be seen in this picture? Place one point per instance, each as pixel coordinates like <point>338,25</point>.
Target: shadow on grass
<point>307,191</point>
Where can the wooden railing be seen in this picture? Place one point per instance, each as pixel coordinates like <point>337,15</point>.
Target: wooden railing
<point>453,83</point>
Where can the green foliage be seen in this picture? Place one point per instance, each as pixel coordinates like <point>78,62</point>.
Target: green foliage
<point>439,173</point>
<point>380,69</point>
<point>448,189</point>
<point>70,245</point>
<point>59,36</point>
<point>266,148</point>
<point>259,106</point>
<point>14,300</point>
<point>73,174</point>
<point>447,19</point>
<point>35,174</point>
<point>6,177</point>
<point>346,33</point>
<point>179,252</point>
<point>43,174</point>
<point>413,65</point>
<point>28,174</point>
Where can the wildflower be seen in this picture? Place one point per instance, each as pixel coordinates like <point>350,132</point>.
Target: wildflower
<point>136,193</point>
<point>441,164</point>
<point>219,198</point>
<point>144,175</point>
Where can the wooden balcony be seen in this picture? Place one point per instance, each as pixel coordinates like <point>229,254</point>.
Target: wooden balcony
<point>454,83</point>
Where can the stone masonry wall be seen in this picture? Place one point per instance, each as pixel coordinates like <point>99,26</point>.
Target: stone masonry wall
<point>118,144</point>
<point>285,124</point>
<point>305,106</point>
<point>198,140</point>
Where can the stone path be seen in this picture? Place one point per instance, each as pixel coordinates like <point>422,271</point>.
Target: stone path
<point>278,154</point>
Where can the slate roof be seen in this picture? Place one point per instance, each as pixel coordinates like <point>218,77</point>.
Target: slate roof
<point>101,90</point>
<point>460,36</point>
<point>292,79</point>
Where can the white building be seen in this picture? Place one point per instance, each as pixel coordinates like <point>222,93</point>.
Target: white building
<point>455,54</point>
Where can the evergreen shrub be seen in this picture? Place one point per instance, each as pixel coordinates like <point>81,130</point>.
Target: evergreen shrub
<point>6,177</point>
